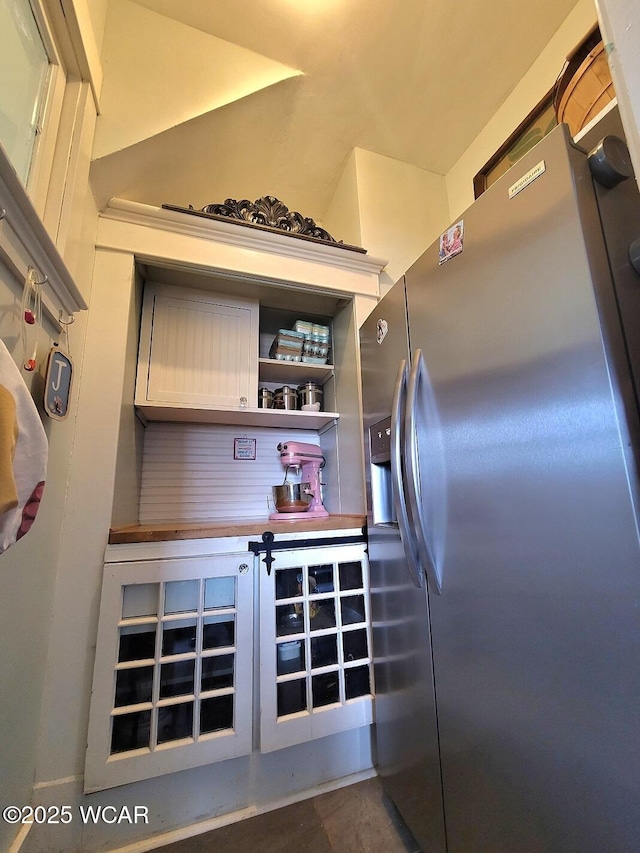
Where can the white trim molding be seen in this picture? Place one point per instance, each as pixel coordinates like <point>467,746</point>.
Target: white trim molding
<point>25,242</point>
<point>229,233</point>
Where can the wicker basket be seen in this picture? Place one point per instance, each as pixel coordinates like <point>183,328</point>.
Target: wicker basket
<point>584,91</point>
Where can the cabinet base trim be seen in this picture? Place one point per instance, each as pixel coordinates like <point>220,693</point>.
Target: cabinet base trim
<point>194,829</point>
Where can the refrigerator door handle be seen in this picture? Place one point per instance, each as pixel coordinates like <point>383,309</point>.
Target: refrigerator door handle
<point>414,485</point>
<point>400,500</point>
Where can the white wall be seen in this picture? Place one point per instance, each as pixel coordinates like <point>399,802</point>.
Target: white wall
<point>128,476</point>
<point>395,210</point>
<point>179,72</point>
<point>619,22</point>
<point>96,11</point>
<point>85,528</point>
<point>189,472</point>
<point>392,209</point>
<point>527,94</point>
<point>27,580</point>
<point>29,569</point>
<point>620,26</point>
<point>342,218</point>
<point>402,210</point>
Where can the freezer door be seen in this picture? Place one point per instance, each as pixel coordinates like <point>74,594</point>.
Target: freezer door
<point>536,635</point>
<point>384,343</point>
<point>406,727</point>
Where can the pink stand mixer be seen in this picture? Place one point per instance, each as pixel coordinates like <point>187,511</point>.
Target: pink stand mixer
<point>299,500</point>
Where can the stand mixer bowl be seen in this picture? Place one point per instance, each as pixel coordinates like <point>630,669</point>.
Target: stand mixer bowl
<point>292,497</point>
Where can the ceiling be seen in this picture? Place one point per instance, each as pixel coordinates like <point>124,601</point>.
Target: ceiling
<point>413,80</point>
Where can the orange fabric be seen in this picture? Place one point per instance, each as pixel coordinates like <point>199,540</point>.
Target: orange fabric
<point>8,439</point>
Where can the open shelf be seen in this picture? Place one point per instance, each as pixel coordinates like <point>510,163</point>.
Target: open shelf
<point>293,372</point>
<point>241,417</point>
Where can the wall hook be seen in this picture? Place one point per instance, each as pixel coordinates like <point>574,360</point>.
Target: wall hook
<point>38,283</point>
<point>68,322</point>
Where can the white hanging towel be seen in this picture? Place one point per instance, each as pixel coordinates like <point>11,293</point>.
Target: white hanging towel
<point>23,454</point>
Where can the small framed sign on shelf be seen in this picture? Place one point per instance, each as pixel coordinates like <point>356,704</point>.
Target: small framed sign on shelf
<point>244,448</point>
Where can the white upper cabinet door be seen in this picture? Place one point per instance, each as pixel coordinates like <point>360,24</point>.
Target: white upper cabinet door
<point>197,348</point>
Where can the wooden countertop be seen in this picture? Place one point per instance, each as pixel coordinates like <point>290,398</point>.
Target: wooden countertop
<point>216,529</point>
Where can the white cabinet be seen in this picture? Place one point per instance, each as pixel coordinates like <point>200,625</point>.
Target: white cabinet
<point>173,672</point>
<point>197,350</point>
<point>315,662</point>
<point>199,362</point>
<point>178,651</point>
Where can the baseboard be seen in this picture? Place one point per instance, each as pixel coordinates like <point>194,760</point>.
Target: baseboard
<point>233,817</point>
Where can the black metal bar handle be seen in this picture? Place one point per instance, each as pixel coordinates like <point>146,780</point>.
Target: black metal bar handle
<point>268,544</point>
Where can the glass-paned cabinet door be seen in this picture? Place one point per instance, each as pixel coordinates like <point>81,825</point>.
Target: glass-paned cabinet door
<point>315,645</point>
<point>173,673</point>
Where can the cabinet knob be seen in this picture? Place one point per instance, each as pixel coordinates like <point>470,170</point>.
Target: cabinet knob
<point>243,568</point>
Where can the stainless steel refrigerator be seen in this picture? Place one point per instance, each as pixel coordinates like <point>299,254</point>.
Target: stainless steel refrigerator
<point>501,415</point>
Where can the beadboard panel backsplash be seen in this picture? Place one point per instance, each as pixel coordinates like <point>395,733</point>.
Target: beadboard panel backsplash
<point>189,473</point>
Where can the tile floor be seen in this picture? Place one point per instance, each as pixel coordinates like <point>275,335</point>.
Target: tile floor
<point>355,819</point>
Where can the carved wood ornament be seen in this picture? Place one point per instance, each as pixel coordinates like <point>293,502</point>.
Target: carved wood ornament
<point>268,214</point>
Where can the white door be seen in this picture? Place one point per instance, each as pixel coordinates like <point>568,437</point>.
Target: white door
<point>315,660</point>
<point>173,673</point>
<point>201,349</point>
